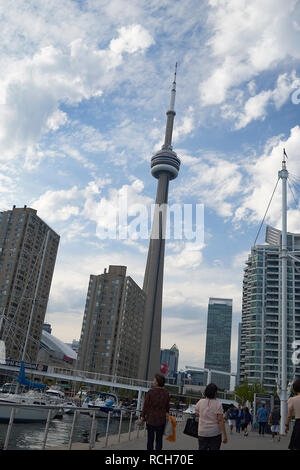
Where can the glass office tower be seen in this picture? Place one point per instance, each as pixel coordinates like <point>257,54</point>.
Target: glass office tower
<point>218,340</point>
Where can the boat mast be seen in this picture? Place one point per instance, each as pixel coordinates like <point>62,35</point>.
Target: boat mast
<point>34,300</point>
<point>283,174</point>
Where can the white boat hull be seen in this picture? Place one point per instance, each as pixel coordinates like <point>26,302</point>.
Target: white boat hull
<point>25,414</point>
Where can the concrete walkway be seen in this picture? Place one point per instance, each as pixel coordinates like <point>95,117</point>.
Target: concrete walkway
<point>235,442</point>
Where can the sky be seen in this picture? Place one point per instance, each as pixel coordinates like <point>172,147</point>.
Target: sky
<point>84,90</point>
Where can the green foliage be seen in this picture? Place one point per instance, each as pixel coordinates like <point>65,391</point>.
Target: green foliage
<point>245,391</point>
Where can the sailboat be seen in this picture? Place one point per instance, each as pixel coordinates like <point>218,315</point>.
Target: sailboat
<point>35,405</point>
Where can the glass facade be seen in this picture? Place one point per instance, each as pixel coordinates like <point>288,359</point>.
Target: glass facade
<point>170,358</point>
<point>218,340</point>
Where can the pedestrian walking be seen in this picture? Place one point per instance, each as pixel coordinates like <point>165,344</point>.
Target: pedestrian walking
<point>274,423</point>
<point>294,410</point>
<point>262,418</point>
<point>211,426</point>
<point>245,420</point>
<point>230,415</point>
<point>238,419</point>
<point>155,411</point>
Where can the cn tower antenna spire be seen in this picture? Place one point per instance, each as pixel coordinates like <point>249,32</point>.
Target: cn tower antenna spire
<point>173,91</point>
<point>171,114</point>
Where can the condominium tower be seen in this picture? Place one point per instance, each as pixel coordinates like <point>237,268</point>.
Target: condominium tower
<point>218,340</point>
<point>28,248</point>
<point>111,335</point>
<point>261,325</point>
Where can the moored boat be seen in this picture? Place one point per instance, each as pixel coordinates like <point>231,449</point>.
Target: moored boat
<point>105,403</point>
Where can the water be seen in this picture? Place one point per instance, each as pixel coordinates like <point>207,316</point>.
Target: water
<point>31,435</point>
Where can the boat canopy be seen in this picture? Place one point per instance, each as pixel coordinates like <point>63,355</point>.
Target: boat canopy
<point>23,381</point>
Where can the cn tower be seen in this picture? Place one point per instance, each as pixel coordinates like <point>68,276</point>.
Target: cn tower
<point>164,167</point>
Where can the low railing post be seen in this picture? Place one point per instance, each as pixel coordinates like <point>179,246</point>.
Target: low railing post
<point>72,429</point>
<point>138,428</point>
<point>130,423</point>
<point>11,420</point>
<point>107,429</point>
<point>93,431</point>
<point>47,428</point>
<point>120,426</point>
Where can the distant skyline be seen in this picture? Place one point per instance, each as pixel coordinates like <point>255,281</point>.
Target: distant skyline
<point>84,87</point>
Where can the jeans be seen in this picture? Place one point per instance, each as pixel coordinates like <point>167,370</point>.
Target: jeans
<point>261,428</point>
<point>238,424</point>
<point>157,432</point>
<point>210,443</point>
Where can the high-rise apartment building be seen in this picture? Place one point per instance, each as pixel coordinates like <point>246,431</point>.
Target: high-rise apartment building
<point>111,335</point>
<point>238,366</point>
<point>261,306</point>
<point>218,340</point>
<point>28,249</point>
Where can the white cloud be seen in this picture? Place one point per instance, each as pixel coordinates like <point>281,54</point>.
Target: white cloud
<point>131,39</point>
<point>55,206</point>
<point>247,39</point>
<point>256,106</point>
<point>56,120</point>
<point>35,86</point>
<point>214,181</point>
<point>185,125</point>
<point>111,214</point>
<point>263,175</point>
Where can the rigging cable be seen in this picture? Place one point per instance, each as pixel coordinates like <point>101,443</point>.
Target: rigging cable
<point>291,189</point>
<point>266,212</point>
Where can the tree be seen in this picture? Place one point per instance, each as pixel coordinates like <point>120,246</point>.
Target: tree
<point>245,391</point>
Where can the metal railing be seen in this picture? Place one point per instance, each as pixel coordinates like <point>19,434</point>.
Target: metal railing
<point>132,416</point>
<point>16,406</point>
<point>87,377</point>
<point>102,377</point>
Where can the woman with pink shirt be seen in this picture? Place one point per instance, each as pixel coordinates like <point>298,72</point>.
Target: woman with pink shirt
<point>211,426</point>
<point>294,410</point>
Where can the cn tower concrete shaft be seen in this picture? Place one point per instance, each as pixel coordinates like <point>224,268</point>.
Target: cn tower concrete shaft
<point>153,284</point>
<point>164,167</point>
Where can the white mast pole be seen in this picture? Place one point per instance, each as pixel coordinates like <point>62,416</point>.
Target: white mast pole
<point>34,301</point>
<point>283,174</point>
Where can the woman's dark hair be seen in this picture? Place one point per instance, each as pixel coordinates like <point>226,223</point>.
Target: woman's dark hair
<point>160,379</point>
<point>210,391</point>
<point>296,386</point>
